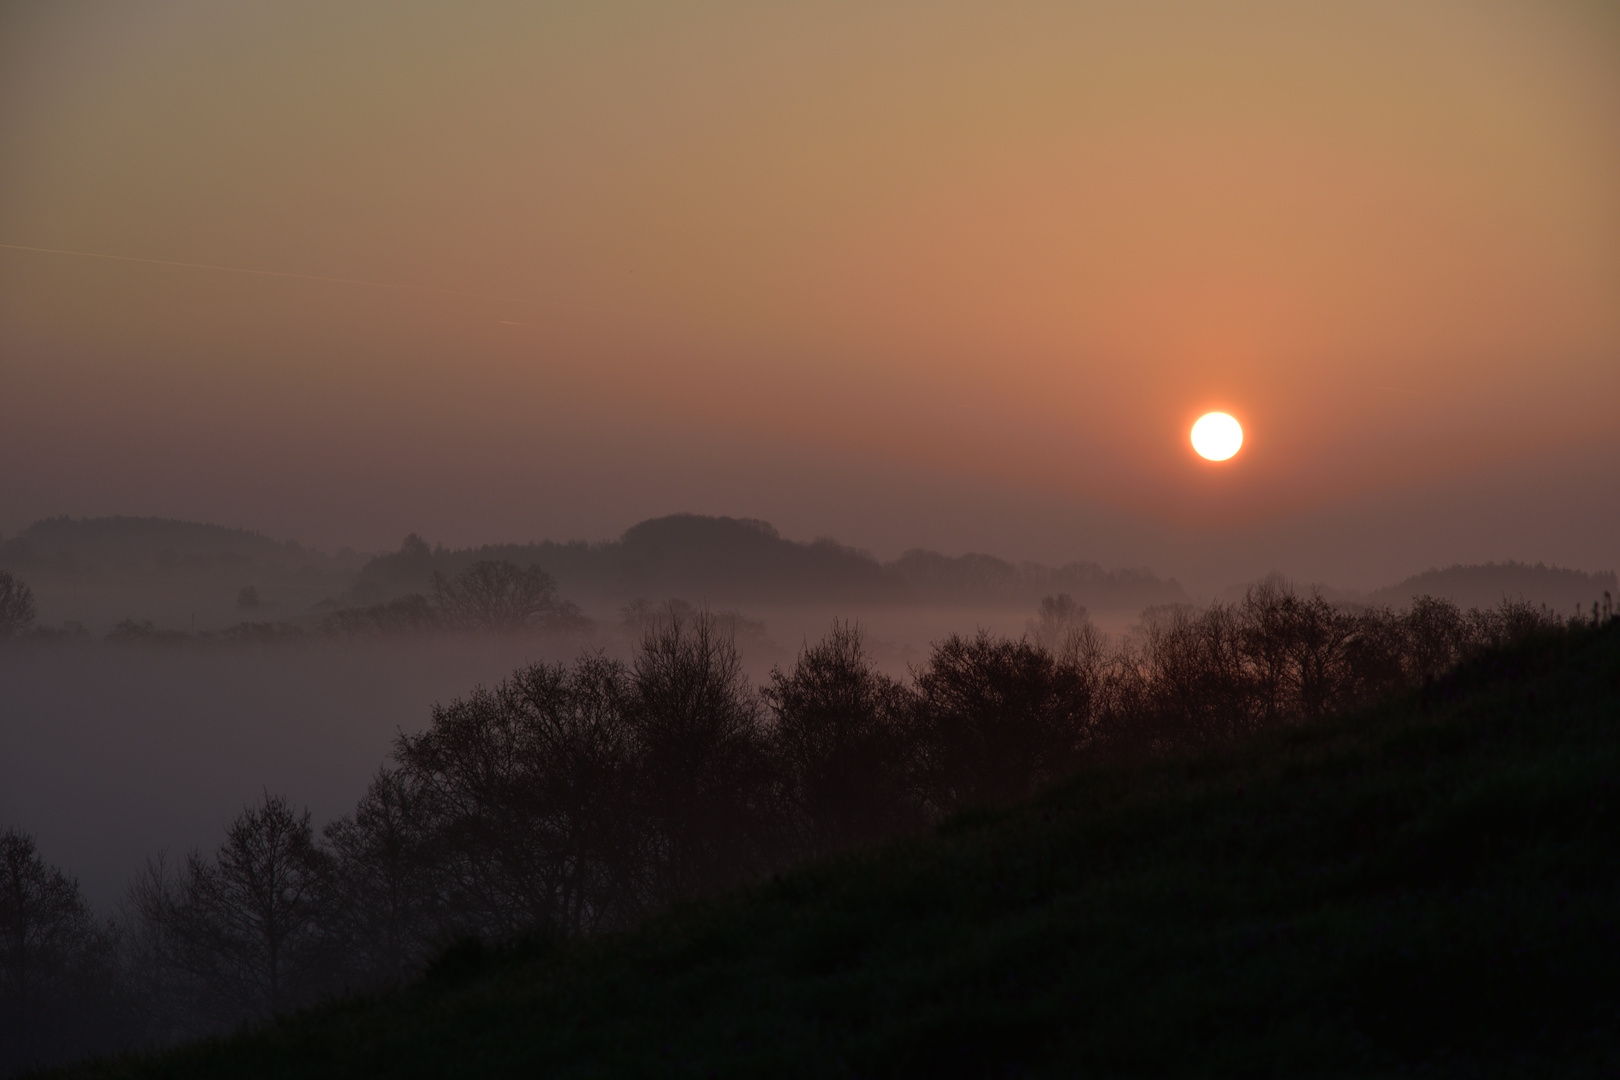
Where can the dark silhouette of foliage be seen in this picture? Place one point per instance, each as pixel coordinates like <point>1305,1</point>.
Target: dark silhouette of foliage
<point>999,718</point>
<point>572,799</point>
<point>702,778</point>
<point>384,911</point>
<point>58,989</point>
<point>519,794</point>
<point>844,741</point>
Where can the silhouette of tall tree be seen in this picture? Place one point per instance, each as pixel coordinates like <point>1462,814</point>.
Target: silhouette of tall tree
<point>703,784</point>
<point>844,739</point>
<point>248,919</point>
<point>522,791</point>
<point>58,995</point>
<point>381,913</point>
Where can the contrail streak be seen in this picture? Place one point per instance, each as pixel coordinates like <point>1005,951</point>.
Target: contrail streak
<point>263,273</point>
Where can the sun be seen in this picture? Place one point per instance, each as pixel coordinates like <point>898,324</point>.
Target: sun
<point>1216,436</point>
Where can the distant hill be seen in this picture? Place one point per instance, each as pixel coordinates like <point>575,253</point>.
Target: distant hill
<point>1425,888</point>
<point>152,545</point>
<point>1487,585</point>
<point>742,560</point>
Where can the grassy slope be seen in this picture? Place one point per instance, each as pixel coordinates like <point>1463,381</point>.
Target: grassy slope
<point>1428,887</point>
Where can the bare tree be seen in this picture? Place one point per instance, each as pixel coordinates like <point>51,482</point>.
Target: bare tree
<point>58,997</point>
<point>248,919</point>
<point>522,789</point>
<point>382,903</point>
<point>501,597</point>
<point>16,606</point>
<point>702,780</point>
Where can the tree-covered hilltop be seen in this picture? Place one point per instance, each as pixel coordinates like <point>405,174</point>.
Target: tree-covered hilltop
<point>1425,884</point>
<point>1486,584</point>
<point>739,559</point>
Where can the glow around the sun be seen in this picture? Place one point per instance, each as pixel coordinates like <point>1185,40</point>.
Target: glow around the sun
<point>1217,436</point>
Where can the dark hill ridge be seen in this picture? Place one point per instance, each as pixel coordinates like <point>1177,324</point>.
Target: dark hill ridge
<point>143,544</point>
<point>731,559</point>
<point>1488,585</point>
<point>1429,887</point>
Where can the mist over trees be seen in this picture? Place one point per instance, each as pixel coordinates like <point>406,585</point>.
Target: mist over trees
<point>575,798</point>
<point>732,559</point>
<point>154,579</point>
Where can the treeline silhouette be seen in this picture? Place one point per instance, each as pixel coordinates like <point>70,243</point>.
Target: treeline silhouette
<point>1482,585</point>
<point>729,559</point>
<point>487,597</point>
<point>125,547</point>
<point>575,798</point>
<point>491,595</point>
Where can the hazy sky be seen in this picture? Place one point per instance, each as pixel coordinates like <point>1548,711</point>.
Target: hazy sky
<point>939,274</point>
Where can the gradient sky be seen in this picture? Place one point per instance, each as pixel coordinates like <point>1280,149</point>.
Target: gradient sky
<point>949,275</point>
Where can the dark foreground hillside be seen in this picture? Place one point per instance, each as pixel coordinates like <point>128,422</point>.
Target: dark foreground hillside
<point>1428,888</point>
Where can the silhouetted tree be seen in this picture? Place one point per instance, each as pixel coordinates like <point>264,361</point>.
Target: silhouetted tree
<point>59,996</point>
<point>844,739</point>
<point>522,792</point>
<point>382,913</point>
<point>246,922</point>
<point>999,718</point>
<point>1057,618</point>
<point>703,785</point>
<point>1198,686</point>
<point>500,597</point>
<point>1436,633</point>
<point>16,606</point>
<point>1298,651</point>
<point>156,953</point>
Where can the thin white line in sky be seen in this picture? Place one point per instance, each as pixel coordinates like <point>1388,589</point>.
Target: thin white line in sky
<point>263,273</point>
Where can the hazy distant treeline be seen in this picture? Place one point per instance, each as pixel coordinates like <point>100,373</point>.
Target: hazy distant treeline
<point>577,797</point>
<point>129,546</point>
<point>153,577</point>
<point>728,558</point>
<point>711,558</point>
<point>487,597</point>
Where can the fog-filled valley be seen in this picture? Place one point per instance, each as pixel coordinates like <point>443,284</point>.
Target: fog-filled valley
<point>165,686</point>
<point>174,670</point>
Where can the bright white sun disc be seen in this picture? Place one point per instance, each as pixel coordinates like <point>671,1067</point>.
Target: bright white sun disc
<point>1216,436</point>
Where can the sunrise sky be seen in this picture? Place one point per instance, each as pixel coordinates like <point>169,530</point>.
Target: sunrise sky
<point>938,274</point>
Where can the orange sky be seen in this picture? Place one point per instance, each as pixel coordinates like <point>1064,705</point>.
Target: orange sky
<point>931,274</point>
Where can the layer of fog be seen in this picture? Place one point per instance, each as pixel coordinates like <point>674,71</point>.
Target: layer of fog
<point>110,754</point>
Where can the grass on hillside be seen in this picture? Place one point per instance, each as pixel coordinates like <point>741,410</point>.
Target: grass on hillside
<point>1429,887</point>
